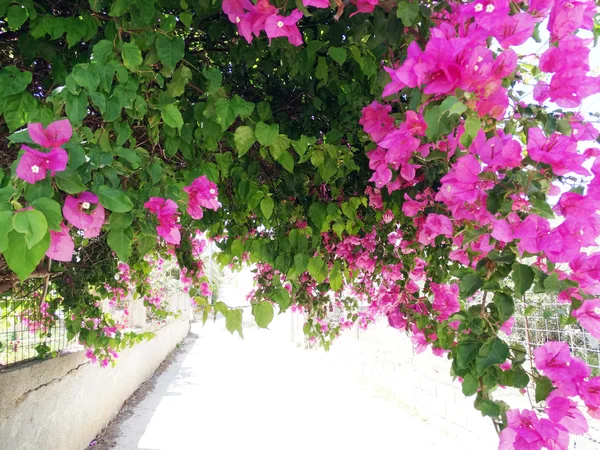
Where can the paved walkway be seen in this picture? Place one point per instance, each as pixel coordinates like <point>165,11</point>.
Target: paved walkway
<point>222,392</point>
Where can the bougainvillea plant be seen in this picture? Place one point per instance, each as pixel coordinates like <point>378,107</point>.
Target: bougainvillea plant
<point>421,159</point>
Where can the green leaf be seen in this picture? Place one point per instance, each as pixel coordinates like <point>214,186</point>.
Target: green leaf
<point>543,387</point>
<point>318,213</point>
<point>465,353</point>
<point>233,321</point>
<point>170,51</point>
<point>76,107</point>
<point>69,182</point>
<point>469,284</point>
<point>266,134</point>
<point>407,12</point>
<point>181,77</point>
<point>505,305</point>
<point>315,268</point>
<point>287,161</point>
<point>102,50</point>
<point>522,276</point>
<point>13,81</point>
<point>470,385</point>
<point>42,188</point>
<point>489,408</point>
<point>21,259</point>
<point>241,106</point>
<point>335,276</point>
<point>114,199</point>
<point>226,113</point>
<point>263,313</point>
<point>243,138</point>
<point>432,118</point>
<point>119,7</point>
<point>51,211</point>
<point>19,109</point>
<point>16,16</point>
<point>282,297</point>
<point>472,126</point>
<point>266,206</point>
<point>86,75</point>
<point>155,170</point>
<point>32,224</point>
<point>322,71</point>
<point>120,241</point>
<point>452,106</point>
<point>132,56</point>
<point>300,262</point>
<point>5,228</point>
<point>338,54</point>
<point>119,221</point>
<point>172,116</point>
<point>515,377</point>
<point>494,351</point>
<point>214,77</point>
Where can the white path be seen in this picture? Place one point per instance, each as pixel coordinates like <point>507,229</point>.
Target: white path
<point>263,393</point>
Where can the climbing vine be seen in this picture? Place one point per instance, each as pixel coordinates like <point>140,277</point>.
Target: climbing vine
<point>429,160</point>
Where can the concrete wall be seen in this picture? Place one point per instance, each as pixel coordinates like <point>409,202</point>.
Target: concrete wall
<point>384,359</point>
<point>63,403</point>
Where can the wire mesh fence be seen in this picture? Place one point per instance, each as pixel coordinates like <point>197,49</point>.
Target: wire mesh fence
<point>546,320</point>
<point>28,331</point>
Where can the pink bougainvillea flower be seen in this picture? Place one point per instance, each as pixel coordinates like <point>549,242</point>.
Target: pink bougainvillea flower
<point>439,71</point>
<point>525,431</point>
<point>567,89</point>
<point>89,353</point>
<point>364,6</point>
<point>572,53</point>
<point>507,327</point>
<point>553,358</point>
<point>589,391</point>
<point>588,315</point>
<point>167,215</point>
<point>503,231</point>
<point>202,193</point>
<point>34,164</point>
<point>55,135</point>
<point>559,151</point>
<point>94,229</point>
<point>563,411</point>
<point>397,320</point>
<point>487,12</point>
<point>567,16</point>
<point>284,26</point>
<point>376,120</point>
<point>236,8</point>
<point>435,225</point>
<point>497,152</point>
<point>586,271</point>
<point>253,22</point>
<point>61,245</point>
<point>576,206</point>
<point>445,299</point>
<point>514,30</point>
<point>540,8</point>
<point>78,213</point>
<point>419,340</point>
<point>317,3</point>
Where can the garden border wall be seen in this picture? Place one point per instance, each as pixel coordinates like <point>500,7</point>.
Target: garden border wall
<point>63,403</point>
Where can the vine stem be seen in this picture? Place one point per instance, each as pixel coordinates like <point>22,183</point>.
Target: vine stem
<point>483,302</point>
<point>46,279</point>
